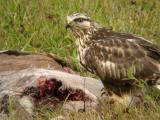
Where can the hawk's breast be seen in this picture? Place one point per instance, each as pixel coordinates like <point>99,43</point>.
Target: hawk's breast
<point>82,48</point>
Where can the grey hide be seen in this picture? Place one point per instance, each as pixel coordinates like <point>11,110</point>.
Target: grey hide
<point>13,82</point>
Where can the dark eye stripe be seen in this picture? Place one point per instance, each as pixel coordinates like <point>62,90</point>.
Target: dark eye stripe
<point>81,20</point>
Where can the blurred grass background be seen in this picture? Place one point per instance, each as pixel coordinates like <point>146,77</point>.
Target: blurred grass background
<point>39,25</point>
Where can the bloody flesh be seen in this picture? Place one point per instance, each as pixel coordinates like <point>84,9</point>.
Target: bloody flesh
<point>49,91</point>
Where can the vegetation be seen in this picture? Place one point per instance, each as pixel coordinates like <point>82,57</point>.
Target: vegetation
<point>38,26</point>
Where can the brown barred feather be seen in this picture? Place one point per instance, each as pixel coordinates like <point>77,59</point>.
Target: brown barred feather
<point>125,53</point>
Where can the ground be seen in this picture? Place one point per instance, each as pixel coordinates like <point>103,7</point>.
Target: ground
<point>38,26</point>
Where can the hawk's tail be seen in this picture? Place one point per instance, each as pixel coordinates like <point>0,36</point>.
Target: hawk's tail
<point>154,80</point>
<point>157,85</point>
<point>157,81</point>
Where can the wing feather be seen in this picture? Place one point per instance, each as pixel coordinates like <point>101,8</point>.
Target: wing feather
<point>112,58</point>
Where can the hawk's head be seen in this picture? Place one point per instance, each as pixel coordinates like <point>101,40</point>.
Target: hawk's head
<point>80,21</point>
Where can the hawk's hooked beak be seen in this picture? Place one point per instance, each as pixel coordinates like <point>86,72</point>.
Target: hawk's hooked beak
<point>69,20</point>
<point>68,26</point>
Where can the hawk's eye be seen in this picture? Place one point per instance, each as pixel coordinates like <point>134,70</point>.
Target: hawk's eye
<point>79,20</point>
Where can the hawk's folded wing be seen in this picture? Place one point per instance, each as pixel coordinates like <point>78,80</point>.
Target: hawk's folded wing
<point>114,57</point>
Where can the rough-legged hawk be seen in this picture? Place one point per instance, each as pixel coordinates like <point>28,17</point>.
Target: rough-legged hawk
<point>121,60</point>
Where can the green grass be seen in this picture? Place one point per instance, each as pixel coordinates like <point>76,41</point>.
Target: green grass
<point>38,26</point>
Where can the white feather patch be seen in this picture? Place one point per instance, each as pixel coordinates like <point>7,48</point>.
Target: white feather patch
<point>111,68</point>
<point>131,40</point>
<point>158,87</point>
